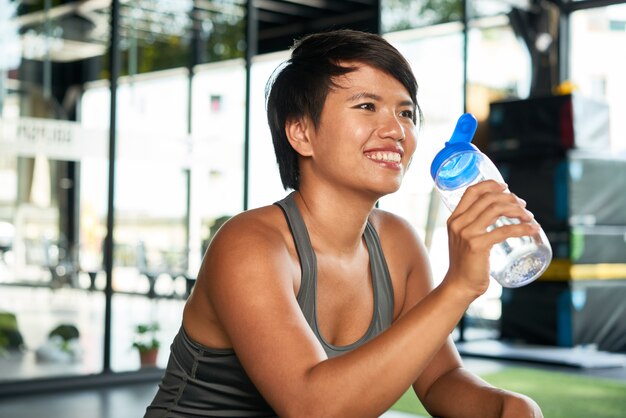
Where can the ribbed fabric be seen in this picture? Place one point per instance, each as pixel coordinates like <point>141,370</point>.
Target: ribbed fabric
<point>204,382</point>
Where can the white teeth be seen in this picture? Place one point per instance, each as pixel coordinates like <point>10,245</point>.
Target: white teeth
<point>385,156</point>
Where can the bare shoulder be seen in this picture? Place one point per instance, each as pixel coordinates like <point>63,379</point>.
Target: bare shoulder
<point>265,224</point>
<point>253,239</point>
<point>400,240</point>
<point>250,259</point>
<point>393,229</point>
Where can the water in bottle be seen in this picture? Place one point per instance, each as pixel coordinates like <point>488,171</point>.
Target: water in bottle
<point>514,262</point>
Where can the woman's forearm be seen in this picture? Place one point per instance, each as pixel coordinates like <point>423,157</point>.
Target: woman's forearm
<point>383,369</point>
<point>473,397</point>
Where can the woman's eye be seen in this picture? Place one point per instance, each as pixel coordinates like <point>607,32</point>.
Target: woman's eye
<point>367,106</point>
<point>407,114</point>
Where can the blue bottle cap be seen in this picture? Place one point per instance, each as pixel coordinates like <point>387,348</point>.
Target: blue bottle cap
<point>457,163</point>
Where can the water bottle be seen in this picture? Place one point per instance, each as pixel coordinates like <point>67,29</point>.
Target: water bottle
<point>513,262</point>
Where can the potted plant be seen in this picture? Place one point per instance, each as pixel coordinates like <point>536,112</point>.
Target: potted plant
<point>147,344</point>
<point>10,336</point>
<point>62,345</point>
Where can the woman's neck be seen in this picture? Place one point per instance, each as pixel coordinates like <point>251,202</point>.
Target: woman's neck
<point>335,221</point>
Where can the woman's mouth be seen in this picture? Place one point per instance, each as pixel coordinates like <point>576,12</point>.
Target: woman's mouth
<point>384,156</point>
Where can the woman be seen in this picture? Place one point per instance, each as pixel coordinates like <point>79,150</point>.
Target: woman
<point>322,305</point>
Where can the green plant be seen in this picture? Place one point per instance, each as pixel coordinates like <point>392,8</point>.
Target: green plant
<point>66,333</point>
<point>4,342</point>
<point>10,336</point>
<point>146,337</point>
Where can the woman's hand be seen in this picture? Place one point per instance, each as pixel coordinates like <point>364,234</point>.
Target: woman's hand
<point>469,240</point>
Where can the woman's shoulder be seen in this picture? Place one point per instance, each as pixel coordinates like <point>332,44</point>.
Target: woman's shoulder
<point>262,217</point>
<point>386,222</point>
<point>256,233</point>
<point>399,238</point>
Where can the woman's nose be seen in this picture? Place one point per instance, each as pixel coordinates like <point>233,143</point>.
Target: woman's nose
<point>392,128</point>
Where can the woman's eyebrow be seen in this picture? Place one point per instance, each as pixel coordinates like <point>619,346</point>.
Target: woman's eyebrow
<point>364,95</point>
<point>372,96</point>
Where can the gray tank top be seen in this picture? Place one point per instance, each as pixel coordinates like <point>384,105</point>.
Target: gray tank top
<point>307,296</point>
<point>201,381</point>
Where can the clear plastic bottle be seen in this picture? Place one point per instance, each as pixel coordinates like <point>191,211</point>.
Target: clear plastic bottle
<point>514,262</point>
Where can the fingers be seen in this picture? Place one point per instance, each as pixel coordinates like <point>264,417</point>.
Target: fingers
<point>483,206</point>
<point>485,202</point>
<point>474,193</point>
<point>486,215</point>
<point>492,206</point>
<point>513,230</point>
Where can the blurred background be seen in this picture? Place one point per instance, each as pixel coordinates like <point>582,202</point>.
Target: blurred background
<point>131,130</point>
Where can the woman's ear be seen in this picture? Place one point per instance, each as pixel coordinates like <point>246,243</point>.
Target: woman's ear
<point>297,131</point>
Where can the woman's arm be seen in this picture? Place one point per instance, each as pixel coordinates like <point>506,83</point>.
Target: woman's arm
<point>445,388</point>
<point>249,278</point>
<point>461,394</point>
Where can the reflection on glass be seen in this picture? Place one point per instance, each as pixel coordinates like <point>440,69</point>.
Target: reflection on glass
<point>54,121</point>
<point>50,318</point>
<point>407,14</point>
<point>51,314</point>
<point>598,73</point>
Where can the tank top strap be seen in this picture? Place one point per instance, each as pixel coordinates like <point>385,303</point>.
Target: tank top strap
<point>383,288</point>
<point>308,261</point>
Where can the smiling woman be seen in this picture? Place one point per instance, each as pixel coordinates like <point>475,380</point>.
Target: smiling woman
<point>367,114</point>
<point>299,307</point>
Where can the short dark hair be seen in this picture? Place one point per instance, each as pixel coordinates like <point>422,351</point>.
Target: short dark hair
<point>300,85</point>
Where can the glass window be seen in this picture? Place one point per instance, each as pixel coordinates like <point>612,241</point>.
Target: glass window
<point>151,193</point>
<point>173,158</point>
<point>154,35</point>
<point>264,178</point>
<point>400,15</point>
<point>51,319</point>
<point>598,73</point>
<point>220,30</point>
<point>482,8</point>
<point>218,111</point>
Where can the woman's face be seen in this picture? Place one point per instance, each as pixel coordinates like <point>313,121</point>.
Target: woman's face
<point>366,135</point>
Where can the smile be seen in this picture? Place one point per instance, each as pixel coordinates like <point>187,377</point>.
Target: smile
<point>390,157</point>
